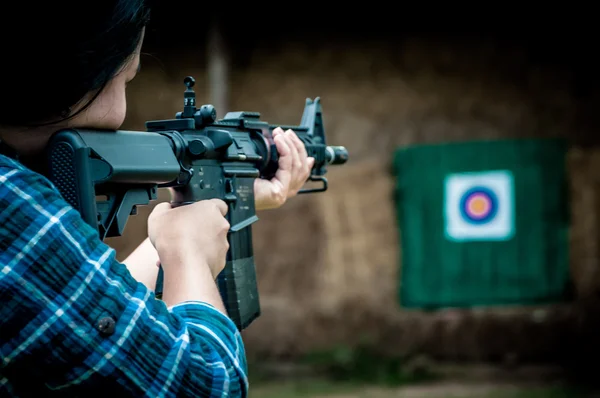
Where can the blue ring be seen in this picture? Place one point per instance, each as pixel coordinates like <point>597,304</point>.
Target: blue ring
<point>493,205</point>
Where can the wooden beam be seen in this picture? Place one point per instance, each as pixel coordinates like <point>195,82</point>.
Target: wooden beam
<point>218,68</point>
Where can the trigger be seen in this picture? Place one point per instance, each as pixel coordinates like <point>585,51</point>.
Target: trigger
<point>229,192</point>
<point>230,198</point>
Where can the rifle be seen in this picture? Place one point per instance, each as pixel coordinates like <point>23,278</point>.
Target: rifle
<point>105,175</point>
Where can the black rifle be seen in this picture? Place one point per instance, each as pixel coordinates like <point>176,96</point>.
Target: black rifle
<point>106,174</point>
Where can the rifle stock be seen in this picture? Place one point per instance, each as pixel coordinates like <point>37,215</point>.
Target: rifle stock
<point>105,175</point>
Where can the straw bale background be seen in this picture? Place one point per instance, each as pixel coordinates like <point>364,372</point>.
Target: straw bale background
<point>328,264</point>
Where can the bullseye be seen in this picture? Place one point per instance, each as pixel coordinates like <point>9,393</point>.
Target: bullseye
<point>478,205</point>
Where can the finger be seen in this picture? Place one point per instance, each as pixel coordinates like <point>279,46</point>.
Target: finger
<point>299,144</point>
<point>304,167</point>
<point>277,131</point>
<point>222,206</point>
<point>285,156</point>
<point>285,165</point>
<point>296,162</point>
<point>311,163</point>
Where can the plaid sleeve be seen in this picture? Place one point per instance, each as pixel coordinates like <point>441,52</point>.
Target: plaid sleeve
<point>74,322</point>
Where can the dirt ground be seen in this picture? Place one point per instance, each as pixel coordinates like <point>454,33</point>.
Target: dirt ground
<point>437,390</point>
<point>452,381</point>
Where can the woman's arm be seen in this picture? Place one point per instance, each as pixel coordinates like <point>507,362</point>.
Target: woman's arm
<point>74,319</point>
<point>143,264</point>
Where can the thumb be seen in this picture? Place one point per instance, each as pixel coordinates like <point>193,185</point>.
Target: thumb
<point>221,205</point>
<point>161,208</point>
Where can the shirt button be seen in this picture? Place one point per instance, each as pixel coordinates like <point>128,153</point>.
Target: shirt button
<point>106,326</point>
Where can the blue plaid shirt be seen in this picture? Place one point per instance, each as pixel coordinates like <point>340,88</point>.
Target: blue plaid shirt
<point>73,321</point>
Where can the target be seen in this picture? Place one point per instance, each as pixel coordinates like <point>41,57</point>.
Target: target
<point>479,206</point>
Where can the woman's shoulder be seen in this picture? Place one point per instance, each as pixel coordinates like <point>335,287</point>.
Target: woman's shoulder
<point>21,184</point>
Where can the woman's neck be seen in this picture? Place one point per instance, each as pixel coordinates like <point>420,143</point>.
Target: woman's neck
<point>27,145</point>
<point>27,141</point>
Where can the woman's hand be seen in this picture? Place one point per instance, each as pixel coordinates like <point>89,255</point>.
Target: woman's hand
<point>192,245</point>
<point>293,171</point>
<point>195,233</point>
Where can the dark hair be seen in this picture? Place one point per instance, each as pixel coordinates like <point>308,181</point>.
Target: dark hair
<point>63,51</point>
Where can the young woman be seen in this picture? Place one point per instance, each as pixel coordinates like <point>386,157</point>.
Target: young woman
<point>74,320</point>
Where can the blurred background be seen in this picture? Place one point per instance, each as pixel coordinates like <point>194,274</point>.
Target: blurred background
<point>456,254</point>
